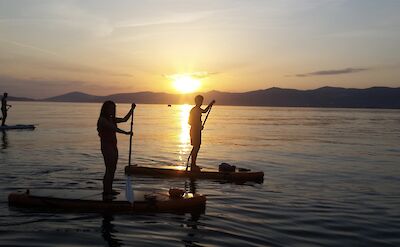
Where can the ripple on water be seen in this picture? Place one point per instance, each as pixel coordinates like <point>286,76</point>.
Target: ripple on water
<point>331,177</point>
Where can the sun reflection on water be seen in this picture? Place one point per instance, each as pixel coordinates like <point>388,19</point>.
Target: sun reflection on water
<point>184,136</point>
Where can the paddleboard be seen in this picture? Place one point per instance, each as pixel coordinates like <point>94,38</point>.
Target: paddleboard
<point>238,177</point>
<point>18,127</point>
<point>92,201</point>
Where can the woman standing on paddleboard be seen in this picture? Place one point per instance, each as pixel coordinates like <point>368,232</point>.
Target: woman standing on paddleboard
<point>107,128</point>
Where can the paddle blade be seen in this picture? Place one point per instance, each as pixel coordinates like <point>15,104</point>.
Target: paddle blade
<point>128,190</point>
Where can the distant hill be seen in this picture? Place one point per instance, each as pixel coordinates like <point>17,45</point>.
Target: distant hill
<point>74,97</point>
<point>374,97</point>
<point>12,98</point>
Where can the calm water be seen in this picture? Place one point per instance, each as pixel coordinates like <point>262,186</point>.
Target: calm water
<point>332,176</point>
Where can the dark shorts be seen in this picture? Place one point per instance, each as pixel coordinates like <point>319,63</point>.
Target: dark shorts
<point>195,137</point>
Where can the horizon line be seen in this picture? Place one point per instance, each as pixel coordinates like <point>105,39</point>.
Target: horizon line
<point>198,92</point>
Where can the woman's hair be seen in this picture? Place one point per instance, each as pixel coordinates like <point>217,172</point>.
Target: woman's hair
<point>108,110</point>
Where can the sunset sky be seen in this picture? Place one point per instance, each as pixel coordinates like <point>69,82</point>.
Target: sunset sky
<point>104,47</point>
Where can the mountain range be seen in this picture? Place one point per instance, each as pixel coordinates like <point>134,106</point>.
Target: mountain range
<point>374,97</point>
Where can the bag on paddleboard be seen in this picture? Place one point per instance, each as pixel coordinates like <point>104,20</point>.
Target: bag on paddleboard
<point>225,167</point>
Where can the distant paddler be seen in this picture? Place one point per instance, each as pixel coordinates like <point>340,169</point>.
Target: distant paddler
<point>107,129</point>
<point>196,126</point>
<point>4,108</point>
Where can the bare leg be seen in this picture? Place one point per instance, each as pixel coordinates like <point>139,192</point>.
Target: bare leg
<point>187,162</point>
<point>194,156</point>
<point>110,160</point>
<point>3,120</point>
<point>195,140</point>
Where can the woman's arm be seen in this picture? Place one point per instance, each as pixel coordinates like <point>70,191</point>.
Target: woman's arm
<point>123,131</point>
<point>126,118</point>
<point>104,123</point>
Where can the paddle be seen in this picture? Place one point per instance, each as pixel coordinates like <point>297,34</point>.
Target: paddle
<point>128,185</point>
<point>204,123</point>
<point>205,120</point>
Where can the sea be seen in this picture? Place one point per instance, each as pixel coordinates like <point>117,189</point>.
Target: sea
<point>332,176</point>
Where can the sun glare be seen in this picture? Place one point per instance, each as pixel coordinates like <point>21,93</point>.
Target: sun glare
<point>184,136</point>
<point>185,83</point>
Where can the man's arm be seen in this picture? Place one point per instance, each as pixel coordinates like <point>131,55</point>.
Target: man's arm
<point>209,106</point>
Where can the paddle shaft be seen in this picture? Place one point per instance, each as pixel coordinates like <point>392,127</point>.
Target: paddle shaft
<point>128,185</point>
<point>208,113</point>
<point>130,139</point>
<point>191,152</point>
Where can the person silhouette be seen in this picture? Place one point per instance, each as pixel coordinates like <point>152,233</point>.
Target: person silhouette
<point>107,129</point>
<point>4,108</point>
<point>196,126</point>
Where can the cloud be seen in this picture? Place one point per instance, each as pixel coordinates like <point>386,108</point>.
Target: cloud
<point>180,18</point>
<point>42,88</point>
<point>56,65</point>
<point>202,75</point>
<point>333,72</point>
<point>76,68</point>
<point>55,16</point>
<point>31,47</point>
<point>197,75</point>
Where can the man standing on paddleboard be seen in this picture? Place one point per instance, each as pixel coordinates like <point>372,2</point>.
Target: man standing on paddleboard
<point>107,129</point>
<point>196,126</point>
<point>4,109</point>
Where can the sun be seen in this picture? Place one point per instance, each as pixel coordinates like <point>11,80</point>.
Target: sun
<point>184,83</point>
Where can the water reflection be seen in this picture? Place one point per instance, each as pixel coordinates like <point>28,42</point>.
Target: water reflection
<point>190,186</point>
<point>193,235</point>
<point>184,136</point>
<point>4,140</point>
<point>107,231</point>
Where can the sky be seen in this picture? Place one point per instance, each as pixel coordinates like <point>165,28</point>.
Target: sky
<point>101,47</point>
